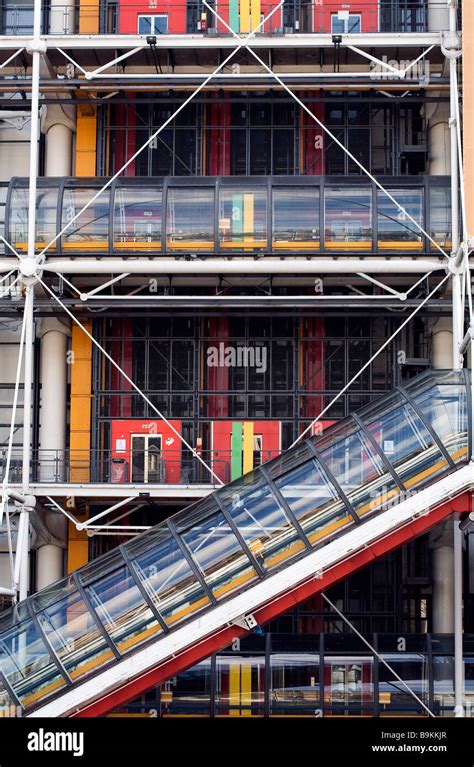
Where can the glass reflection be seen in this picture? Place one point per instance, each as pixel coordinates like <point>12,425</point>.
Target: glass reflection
<point>348,218</point>
<point>395,230</point>
<point>243,219</point>
<point>89,232</point>
<point>190,219</point>
<point>137,219</point>
<point>296,218</point>
<point>261,521</point>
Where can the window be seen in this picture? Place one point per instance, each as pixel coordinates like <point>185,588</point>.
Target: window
<point>295,218</point>
<point>344,23</point>
<point>137,219</point>
<point>153,25</point>
<point>348,218</point>
<point>395,229</point>
<point>90,231</point>
<point>243,219</point>
<point>190,219</point>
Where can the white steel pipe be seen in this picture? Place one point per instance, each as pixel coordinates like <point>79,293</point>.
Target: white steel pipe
<point>246,266</point>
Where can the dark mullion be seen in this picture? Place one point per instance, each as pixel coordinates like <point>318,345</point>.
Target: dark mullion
<point>108,639</point>
<point>332,480</point>
<point>192,564</point>
<point>11,691</point>
<point>278,496</point>
<point>141,588</point>
<point>467,384</point>
<point>379,452</point>
<point>426,424</point>
<point>260,571</point>
<point>51,652</point>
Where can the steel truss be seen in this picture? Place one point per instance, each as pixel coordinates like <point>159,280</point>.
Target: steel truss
<point>30,269</point>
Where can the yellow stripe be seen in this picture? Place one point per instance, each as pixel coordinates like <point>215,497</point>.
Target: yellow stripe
<point>248,447</point>
<point>255,14</point>
<point>245,16</point>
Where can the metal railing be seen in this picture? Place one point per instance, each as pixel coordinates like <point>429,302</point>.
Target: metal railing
<point>179,18</point>
<point>107,467</point>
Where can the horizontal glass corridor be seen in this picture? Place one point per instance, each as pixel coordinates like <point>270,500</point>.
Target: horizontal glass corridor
<point>242,533</point>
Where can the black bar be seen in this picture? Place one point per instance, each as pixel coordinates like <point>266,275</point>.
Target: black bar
<point>111,644</point>
<point>333,481</point>
<point>192,564</point>
<point>141,589</point>
<point>467,384</point>
<point>260,571</point>
<point>427,424</point>
<point>379,451</point>
<point>49,648</point>
<point>280,499</point>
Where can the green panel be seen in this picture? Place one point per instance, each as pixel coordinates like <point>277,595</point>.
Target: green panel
<point>237,222</point>
<point>236,451</point>
<point>234,22</point>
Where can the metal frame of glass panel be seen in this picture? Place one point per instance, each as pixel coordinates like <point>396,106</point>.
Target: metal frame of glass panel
<point>286,543</point>
<point>256,234</point>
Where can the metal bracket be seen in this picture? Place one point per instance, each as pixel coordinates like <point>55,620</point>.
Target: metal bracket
<point>245,622</point>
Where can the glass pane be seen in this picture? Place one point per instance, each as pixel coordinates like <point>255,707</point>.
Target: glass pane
<point>73,634</point>
<point>440,217</point>
<point>219,555</point>
<point>295,218</point>
<point>46,212</point>
<point>240,685</point>
<point>190,219</point>
<point>348,218</point>
<point>445,407</point>
<point>360,473</point>
<point>348,686</point>
<point>90,232</point>
<point>189,692</point>
<point>122,610</point>
<point>314,502</point>
<point>261,521</point>
<point>395,230</point>
<point>394,698</point>
<point>27,666</point>
<point>294,683</point>
<point>405,441</point>
<point>243,219</point>
<point>170,582</point>
<point>137,219</point>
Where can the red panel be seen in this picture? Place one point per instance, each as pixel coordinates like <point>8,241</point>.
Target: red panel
<point>131,9</point>
<point>221,443</point>
<point>121,351</point>
<point>313,139</point>
<point>170,444</point>
<point>222,639</point>
<point>367,9</point>
<point>218,377</point>
<point>219,139</point>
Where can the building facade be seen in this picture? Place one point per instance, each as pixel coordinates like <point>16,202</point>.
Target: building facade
<point>237,283</point>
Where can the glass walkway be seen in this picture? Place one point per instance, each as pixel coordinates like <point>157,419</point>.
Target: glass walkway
<point>157,587</point>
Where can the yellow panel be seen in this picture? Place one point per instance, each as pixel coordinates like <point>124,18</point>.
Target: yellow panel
<point>246,688</point>
<point>234,689</point>
<point>256,13</point>
<point>86,141</point>
<point>81,399</point>
<point>89,17</point>
<point>249,216</point>
<point>245,16</point>
<point>248,447</point>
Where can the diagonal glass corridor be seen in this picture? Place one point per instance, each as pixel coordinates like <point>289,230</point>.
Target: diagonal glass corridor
<point>239,535</point>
